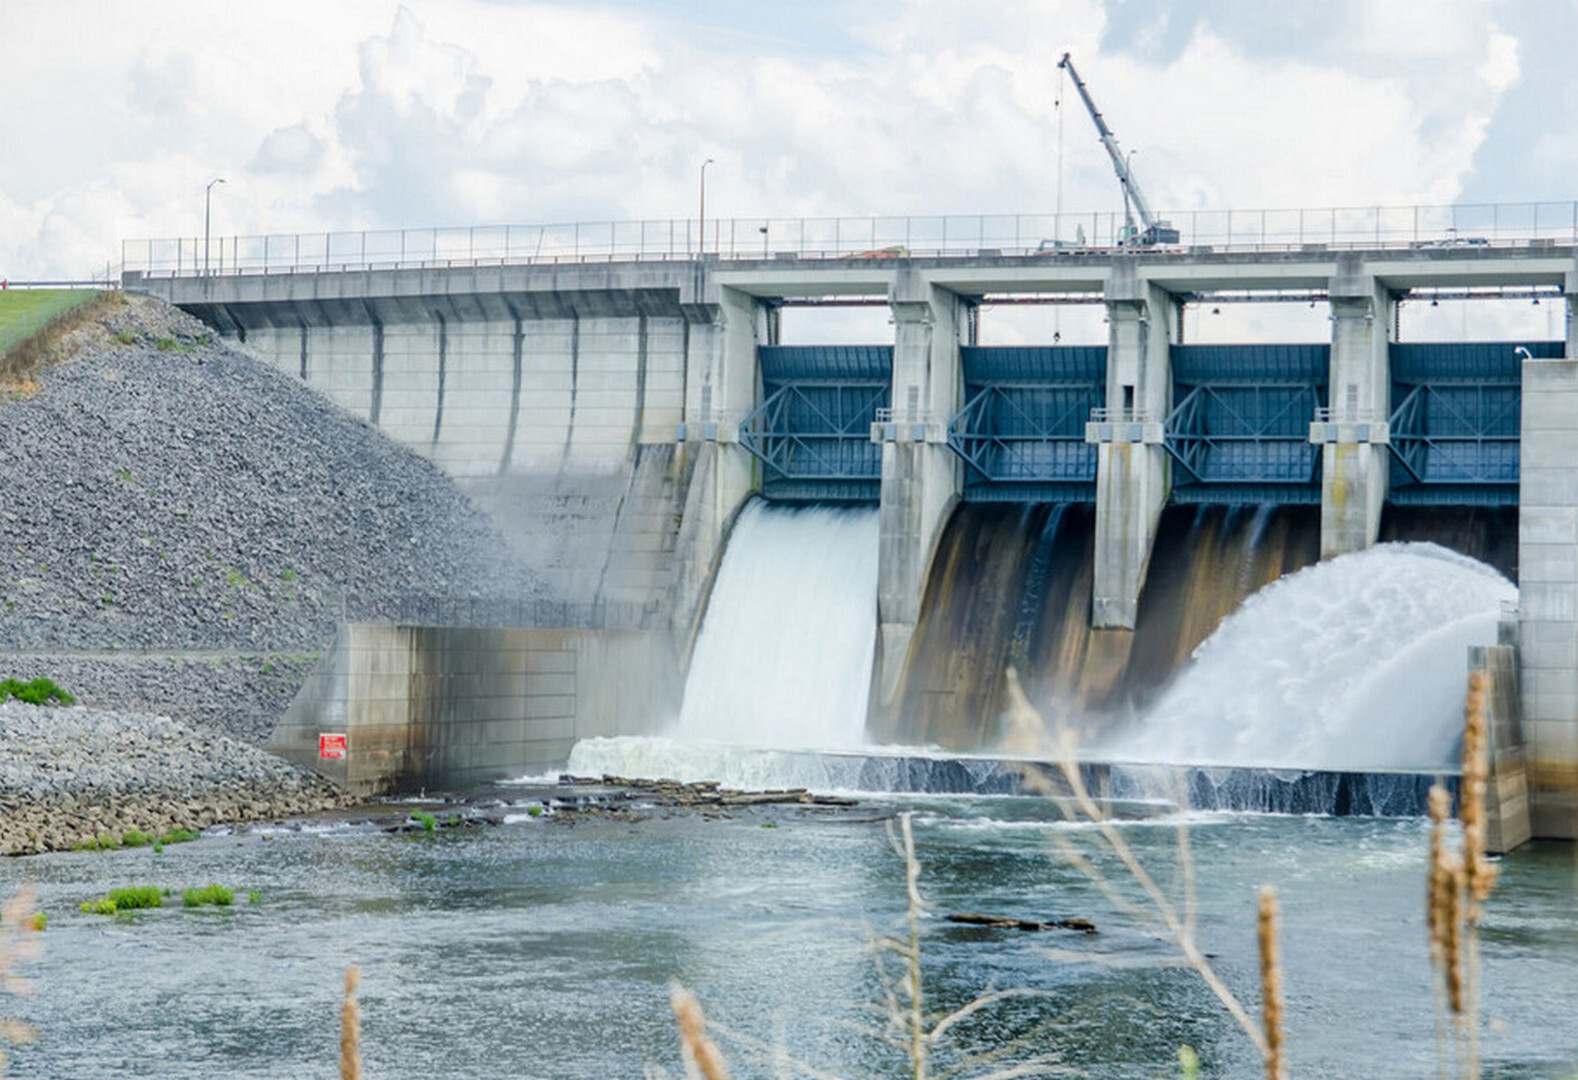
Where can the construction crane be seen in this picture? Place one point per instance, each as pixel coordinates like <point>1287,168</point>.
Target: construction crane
<point>1151,232</point>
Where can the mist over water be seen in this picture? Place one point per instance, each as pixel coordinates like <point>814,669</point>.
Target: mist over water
<point>786,647</point>
<point>1358,663</point>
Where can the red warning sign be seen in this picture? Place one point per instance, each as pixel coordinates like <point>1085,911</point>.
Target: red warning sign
<point>331,747</point>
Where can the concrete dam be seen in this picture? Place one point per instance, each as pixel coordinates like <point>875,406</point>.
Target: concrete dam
<point>1089,513</point>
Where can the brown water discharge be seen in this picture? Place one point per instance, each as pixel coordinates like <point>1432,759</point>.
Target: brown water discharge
<point>1011,584</point>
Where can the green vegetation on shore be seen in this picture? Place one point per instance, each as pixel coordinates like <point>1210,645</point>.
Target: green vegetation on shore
<point>134,838</point>
<point>37,692</point>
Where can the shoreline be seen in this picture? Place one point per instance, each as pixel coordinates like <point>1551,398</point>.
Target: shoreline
<point>570,801</point>
<point>74,776</point>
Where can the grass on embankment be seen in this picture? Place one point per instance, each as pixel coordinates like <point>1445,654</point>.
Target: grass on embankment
<point>32,323</point>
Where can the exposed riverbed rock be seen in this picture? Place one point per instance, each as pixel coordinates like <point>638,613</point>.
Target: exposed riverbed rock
<point>71,775</point>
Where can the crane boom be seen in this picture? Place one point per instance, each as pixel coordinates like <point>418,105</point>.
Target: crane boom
<point>1154,232</point>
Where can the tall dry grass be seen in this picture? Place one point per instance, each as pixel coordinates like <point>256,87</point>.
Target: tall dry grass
<point>1459,884</point>
<point>18,942</point>
<point>351,1028</point>
<point>1270,984</point>
<point>1029,735</point>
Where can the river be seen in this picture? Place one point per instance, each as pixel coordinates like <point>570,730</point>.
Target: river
<point>545,947</point>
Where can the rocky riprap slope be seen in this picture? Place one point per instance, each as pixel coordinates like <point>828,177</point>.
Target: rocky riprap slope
<point>163,491</point>
<point>70,776</point>
<point>166,490</point>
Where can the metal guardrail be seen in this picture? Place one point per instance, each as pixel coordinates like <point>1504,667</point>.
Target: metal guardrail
<point>1336,414</point>
<point>875,238</point>
<point>888,415</point>
<point>469,611</point>
<point>1119,415</point>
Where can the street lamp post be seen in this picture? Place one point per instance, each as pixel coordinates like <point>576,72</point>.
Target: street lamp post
<point>208,206</point>
<point>701,245</point>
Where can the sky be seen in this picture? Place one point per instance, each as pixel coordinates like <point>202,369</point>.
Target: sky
<point>354,114</point>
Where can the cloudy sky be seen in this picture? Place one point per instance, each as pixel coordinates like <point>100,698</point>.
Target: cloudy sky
<point>350,114</point>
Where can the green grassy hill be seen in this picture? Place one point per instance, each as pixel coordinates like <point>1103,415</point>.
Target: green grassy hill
<point>24,311</point>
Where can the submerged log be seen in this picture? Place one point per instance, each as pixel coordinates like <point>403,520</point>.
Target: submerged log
<point>761,798</point>
<point>1009,922</point>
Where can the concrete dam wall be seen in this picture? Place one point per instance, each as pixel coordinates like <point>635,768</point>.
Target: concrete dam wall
<point>557,418</point>
<point>558,391</point>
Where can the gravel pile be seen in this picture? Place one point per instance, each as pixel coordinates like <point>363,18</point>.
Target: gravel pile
<point>68,776</point>
<point>167,491</point>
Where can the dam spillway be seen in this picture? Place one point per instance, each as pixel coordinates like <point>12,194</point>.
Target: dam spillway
<point>598,401</point>
<point>783,658</point>
<point>1011,586</point>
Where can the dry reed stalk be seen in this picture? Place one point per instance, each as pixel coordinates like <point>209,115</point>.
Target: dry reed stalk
<point>1271,1003</point>
<point>1028,734</point>
<point>351,1028</point>
<point>1436,903</point>
<point>917,1020</point>
<point>1480,874</point>
<point>701,1055</point>
<point>17,943</point>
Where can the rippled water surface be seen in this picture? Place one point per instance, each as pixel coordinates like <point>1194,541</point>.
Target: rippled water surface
<point>544,949</point>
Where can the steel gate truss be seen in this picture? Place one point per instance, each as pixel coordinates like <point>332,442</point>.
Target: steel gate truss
<point>1245,432</point>
<point>817,430</point>
<point>1458,431</point>
<point>1027,431</point>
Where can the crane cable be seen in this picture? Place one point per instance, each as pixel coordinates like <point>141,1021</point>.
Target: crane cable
<point>1057,205</point>
<point>1057,105</point>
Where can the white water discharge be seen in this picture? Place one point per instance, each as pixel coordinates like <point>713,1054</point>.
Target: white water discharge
<point>1355,664</point>
<point>782,664</point>
<point>785,652</point>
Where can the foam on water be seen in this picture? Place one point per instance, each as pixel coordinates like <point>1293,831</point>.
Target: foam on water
<point>872,769</point>
<point>1357,663</point>
<point>785,652</point>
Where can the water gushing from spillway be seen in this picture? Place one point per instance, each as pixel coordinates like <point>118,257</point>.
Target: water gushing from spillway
<point>785,651</point>
<point>1345,678</point>
<point>1358,663</point>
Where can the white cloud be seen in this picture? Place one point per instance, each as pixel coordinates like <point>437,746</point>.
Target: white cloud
<point>365,113</point>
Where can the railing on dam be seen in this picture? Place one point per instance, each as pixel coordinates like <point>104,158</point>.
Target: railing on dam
<point>418,609</point>
<point>1464,227</point>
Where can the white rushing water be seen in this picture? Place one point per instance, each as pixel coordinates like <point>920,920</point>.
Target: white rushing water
<point>1356,664</point>
<point>785,652</point>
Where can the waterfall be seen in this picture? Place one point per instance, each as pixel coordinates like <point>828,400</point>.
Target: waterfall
<point>785,652</point>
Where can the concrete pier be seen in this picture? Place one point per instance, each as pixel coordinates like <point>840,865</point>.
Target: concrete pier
<point>1355,460</point>
<point>920,475</point>
<point>1132,469</point>
<point>723,329</point>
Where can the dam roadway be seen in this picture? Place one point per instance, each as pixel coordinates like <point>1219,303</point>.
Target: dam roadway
<point>613,403</point>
